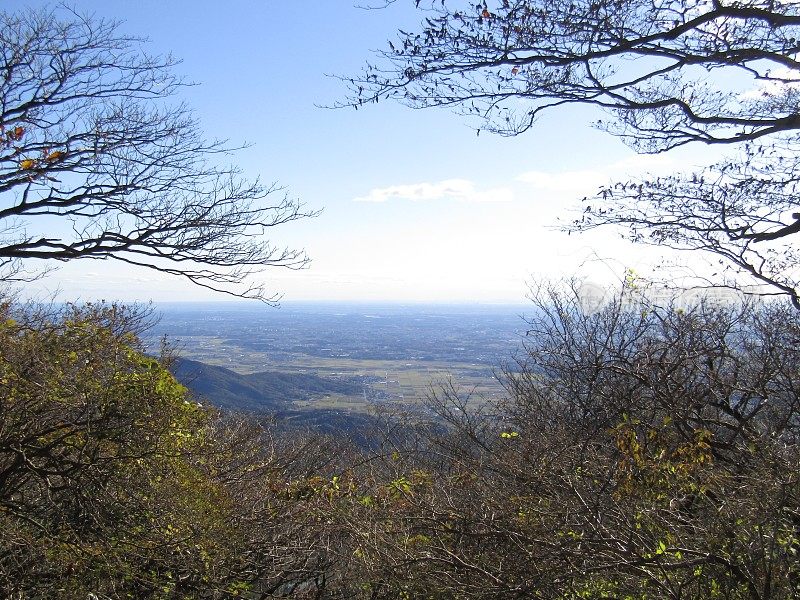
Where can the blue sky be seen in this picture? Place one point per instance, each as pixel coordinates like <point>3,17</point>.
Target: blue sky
<point>416,206</point>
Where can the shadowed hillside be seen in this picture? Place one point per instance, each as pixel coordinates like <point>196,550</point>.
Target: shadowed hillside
<point>274,392</point>
<point>263,392</point>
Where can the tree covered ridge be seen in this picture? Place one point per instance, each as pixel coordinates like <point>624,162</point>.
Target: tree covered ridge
<point>114,483</point>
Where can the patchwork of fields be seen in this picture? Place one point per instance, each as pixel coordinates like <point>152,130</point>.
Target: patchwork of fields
<point>389,354</point>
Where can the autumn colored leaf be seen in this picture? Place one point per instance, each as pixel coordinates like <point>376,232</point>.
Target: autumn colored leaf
<point>27,164</point>
<point>16,133</point>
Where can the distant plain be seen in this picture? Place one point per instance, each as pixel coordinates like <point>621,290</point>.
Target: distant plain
<point>393,354</point>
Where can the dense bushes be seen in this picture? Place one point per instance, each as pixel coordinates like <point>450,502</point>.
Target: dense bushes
<point>640,452</point>
<point>114,483</point>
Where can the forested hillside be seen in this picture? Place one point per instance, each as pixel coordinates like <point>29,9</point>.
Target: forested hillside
<point>270,396</point>
<point>260,392</point>
<point>641,451</point>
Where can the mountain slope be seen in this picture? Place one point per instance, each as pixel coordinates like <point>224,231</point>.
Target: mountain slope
<point>263,392</point>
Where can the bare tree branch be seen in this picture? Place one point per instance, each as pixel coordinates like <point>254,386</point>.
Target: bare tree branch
<point>667,74</point>
<point>90,141</point>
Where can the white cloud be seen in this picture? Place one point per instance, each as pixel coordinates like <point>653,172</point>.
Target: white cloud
<point>587,181</point>
<point>455,189</point>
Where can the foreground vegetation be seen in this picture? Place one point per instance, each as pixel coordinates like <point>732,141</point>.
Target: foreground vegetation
<point>114,484</point>
<point>640,452</point>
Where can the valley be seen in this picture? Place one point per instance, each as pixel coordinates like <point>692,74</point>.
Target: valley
<point>339,359</point>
